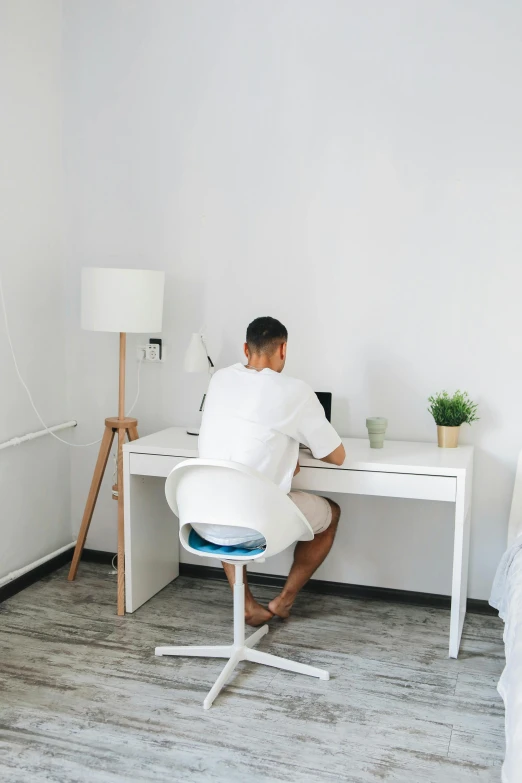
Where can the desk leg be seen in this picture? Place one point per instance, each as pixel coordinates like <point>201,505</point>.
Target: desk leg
<point>459,591</point>
<point>151,539</point>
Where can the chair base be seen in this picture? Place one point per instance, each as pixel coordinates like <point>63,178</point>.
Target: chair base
<point>237,653</point>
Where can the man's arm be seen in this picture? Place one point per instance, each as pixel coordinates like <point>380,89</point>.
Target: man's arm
<point>336,457</point>
<point>314,429</point>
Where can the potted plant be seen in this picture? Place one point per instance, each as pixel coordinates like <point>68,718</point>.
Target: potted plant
<point>449,413</point>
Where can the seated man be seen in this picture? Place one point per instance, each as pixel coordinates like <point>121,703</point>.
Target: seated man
<point>257,416</point>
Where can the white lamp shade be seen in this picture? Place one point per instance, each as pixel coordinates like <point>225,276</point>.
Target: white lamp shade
<point>196,359</point>
<point>122,300</point>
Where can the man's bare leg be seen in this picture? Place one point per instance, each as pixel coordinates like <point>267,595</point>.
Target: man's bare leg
<point>255,614</point>
<point>308,556</point>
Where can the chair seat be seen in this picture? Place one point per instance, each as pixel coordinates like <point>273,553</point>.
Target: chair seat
<point>196,542</point>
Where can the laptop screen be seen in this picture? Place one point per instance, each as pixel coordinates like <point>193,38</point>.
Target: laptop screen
<point>325,398</point>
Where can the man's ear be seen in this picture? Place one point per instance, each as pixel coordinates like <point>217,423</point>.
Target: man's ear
<point>245,349</point>
<point>282,351</point>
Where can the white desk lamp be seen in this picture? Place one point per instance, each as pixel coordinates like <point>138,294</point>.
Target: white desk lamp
<point>198,360</point>
<point>117,300</point>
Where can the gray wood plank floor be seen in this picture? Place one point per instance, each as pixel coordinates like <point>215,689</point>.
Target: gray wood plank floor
<point>83,699</point>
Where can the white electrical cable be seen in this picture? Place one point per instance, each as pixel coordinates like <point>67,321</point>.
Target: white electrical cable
<point>140,362</point>
<point>115,471</point>
<point>20,378</point>
<point>16,441</point>
<point>19,374</point>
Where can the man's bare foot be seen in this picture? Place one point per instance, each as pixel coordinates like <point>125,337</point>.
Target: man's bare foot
<point>281,606</point>
<point>255,614</point>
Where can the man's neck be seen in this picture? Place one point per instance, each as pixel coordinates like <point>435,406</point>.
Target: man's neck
<point>260,363</point>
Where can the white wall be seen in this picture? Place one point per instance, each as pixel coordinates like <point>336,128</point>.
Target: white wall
<point>34,477</point>
<point>353,169</point>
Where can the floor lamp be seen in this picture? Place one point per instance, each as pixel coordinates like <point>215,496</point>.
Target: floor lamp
<point>117,300</point>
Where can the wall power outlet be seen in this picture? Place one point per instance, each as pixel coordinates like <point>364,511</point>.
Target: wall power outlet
<point>152,352</point>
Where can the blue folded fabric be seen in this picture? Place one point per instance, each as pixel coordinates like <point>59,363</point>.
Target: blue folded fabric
<point>196,542</point>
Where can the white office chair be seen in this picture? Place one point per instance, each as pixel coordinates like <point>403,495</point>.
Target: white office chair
<point>225,493</point>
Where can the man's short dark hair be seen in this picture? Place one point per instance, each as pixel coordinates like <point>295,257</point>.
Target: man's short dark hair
<point>265,334</point>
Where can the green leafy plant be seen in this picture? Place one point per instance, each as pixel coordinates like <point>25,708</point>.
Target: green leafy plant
<point>452,411</point>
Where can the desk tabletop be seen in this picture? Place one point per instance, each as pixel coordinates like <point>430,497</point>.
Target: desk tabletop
<point>396,456</point>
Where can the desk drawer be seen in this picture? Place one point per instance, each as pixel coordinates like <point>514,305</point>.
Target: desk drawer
<point>365,482</point>
<point>153,464</point>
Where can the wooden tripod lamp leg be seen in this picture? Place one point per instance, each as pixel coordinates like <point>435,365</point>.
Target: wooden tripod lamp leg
<point>99,470</point>
<point>132,433</point>
<point>123,427</point>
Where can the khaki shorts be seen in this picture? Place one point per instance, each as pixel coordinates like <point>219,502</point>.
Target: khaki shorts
<point>317,510</point>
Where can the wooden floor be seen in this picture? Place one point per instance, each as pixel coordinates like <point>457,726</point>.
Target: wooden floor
<point>82,697</point>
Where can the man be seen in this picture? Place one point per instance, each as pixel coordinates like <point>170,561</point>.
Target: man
<point>257,416</point>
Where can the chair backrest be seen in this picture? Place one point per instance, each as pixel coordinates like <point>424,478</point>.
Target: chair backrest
<point>204,491</point>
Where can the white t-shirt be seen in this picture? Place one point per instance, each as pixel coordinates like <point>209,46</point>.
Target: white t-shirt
<point>258,418</point>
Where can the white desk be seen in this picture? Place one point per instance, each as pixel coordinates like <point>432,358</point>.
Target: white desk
<point>400,470</point>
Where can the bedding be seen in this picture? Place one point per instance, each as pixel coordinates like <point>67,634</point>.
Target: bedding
<point>506,596</point>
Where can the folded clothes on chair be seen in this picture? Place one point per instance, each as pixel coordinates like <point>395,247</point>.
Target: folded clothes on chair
<point>196,542</point>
